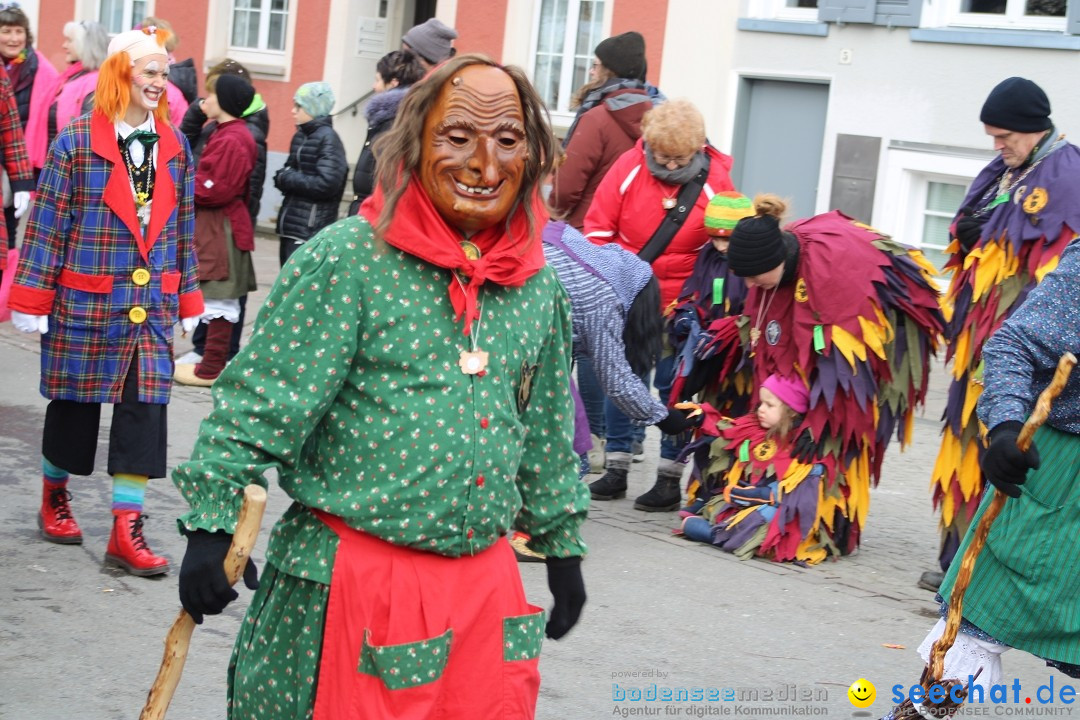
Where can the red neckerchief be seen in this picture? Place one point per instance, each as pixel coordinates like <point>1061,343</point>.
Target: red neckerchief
<point>507,257</point>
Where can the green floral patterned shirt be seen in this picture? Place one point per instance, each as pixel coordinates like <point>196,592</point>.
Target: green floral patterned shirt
<point>350,388</point>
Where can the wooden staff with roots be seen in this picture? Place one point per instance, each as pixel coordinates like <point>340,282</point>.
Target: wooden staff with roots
<point>179,637</point>
<point>933,671</point>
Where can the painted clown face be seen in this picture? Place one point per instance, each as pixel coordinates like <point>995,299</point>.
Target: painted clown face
<point>473,156</point>
<point>149,77</point>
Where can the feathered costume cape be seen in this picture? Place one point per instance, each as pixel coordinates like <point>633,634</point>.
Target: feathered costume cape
<point>711,293</point>
<point>763,501</point>
<point>1021,241</point>
<point>858,324</point>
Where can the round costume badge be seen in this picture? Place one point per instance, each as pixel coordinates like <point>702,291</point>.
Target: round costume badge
<point>472,252</point>
<point>1036,201</point>
<point>800,291</point>
<point>772,332</point>
<point>764,451</point>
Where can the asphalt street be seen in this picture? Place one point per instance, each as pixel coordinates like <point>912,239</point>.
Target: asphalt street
<point>80,640</point>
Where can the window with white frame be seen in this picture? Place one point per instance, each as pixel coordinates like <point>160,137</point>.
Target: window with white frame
<point>567,33</point>
<point>120,15</point>
<point>942,200</point>
<point>1023,14</point>
<point>806,10</point>
<point>921,188</point>
<point>259,24</point>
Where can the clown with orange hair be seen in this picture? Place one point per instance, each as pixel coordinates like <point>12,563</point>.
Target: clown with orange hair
<point>107,269</point>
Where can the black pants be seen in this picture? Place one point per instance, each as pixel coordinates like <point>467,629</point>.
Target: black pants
<point>12,230</point>
<point>138,436</point>
<point>198,338</point>
<point>288,247</point>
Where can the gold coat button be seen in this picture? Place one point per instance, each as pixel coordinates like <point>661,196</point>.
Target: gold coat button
<point>141,276</point>
<point>137,314</point>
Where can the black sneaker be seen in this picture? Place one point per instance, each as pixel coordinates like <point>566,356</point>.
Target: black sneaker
<point>611,486</point>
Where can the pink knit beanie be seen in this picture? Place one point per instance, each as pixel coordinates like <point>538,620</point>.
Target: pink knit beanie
<point>791,391</point>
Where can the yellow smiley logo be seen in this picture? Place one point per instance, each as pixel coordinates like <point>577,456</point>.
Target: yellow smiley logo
<point>862,693</point>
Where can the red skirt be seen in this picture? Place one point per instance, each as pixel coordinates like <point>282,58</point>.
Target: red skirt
<point>412,635</point>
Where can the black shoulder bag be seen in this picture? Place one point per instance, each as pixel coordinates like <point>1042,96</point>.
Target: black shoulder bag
<point>676,216</point>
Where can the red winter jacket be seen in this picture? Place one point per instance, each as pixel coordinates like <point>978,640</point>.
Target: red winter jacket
<point>627,209</point>
<point>602,135</point>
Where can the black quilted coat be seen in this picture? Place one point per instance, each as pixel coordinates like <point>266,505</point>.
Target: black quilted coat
<point>312,181</point>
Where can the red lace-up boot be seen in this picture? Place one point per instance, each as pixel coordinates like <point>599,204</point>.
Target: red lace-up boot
<point>55,519</point>
<point>127,546</point>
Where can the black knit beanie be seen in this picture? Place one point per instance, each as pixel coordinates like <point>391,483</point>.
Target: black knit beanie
<point>757,246</point>
<point>1017,104</point>
<point>623,54</point>
<point>234,94</point>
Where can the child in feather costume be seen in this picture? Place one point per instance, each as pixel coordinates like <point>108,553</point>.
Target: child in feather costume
<point>766,502</point>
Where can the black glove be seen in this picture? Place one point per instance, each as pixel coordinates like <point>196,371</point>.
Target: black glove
<point>1004,464</point>
<point>204,589</point>
<point>677,422</point>
<point>969,230</point>
<point>568,588</point>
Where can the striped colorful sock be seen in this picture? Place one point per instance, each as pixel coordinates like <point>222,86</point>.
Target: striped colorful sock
<point>52,474</point>
<point>128,491</point>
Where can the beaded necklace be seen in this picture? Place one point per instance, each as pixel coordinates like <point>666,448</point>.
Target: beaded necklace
<point>142,180</point>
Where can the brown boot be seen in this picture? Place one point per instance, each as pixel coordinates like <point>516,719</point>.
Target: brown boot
<point>128,548</point>
<point>55,519</point>
<point>216,354</point>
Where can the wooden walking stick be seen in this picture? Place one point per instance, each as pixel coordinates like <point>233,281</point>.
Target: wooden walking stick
<point>933,671</point>
<point>176,642</point>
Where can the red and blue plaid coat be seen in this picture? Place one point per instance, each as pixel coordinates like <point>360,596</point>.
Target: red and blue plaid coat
<point>110,293</point>
<point>13,152</point>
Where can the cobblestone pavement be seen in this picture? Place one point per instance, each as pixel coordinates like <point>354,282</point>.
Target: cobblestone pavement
<point>78,640</point>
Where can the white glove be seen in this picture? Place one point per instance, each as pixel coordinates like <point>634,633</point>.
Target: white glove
<point>21,201</point>
<point>30,323</point>
<point>188,324</point>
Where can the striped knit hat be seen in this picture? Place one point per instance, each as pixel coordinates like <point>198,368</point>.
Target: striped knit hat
<point>724,211</point>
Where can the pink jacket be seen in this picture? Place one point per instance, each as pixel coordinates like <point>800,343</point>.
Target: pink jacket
<point>37,122</point>
<point>70,93</point>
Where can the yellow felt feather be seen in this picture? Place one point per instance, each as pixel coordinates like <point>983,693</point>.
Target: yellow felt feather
<point>874,336</point>
<point>740,516</point>
<point>850,346</point>
<point>970,478</point>
<point>796,473</point>
<point>948,509</point>
<point>1046,268</point>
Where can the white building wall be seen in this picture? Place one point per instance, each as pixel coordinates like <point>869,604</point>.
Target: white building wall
<point>910,92</point>
<point>698,54</point>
